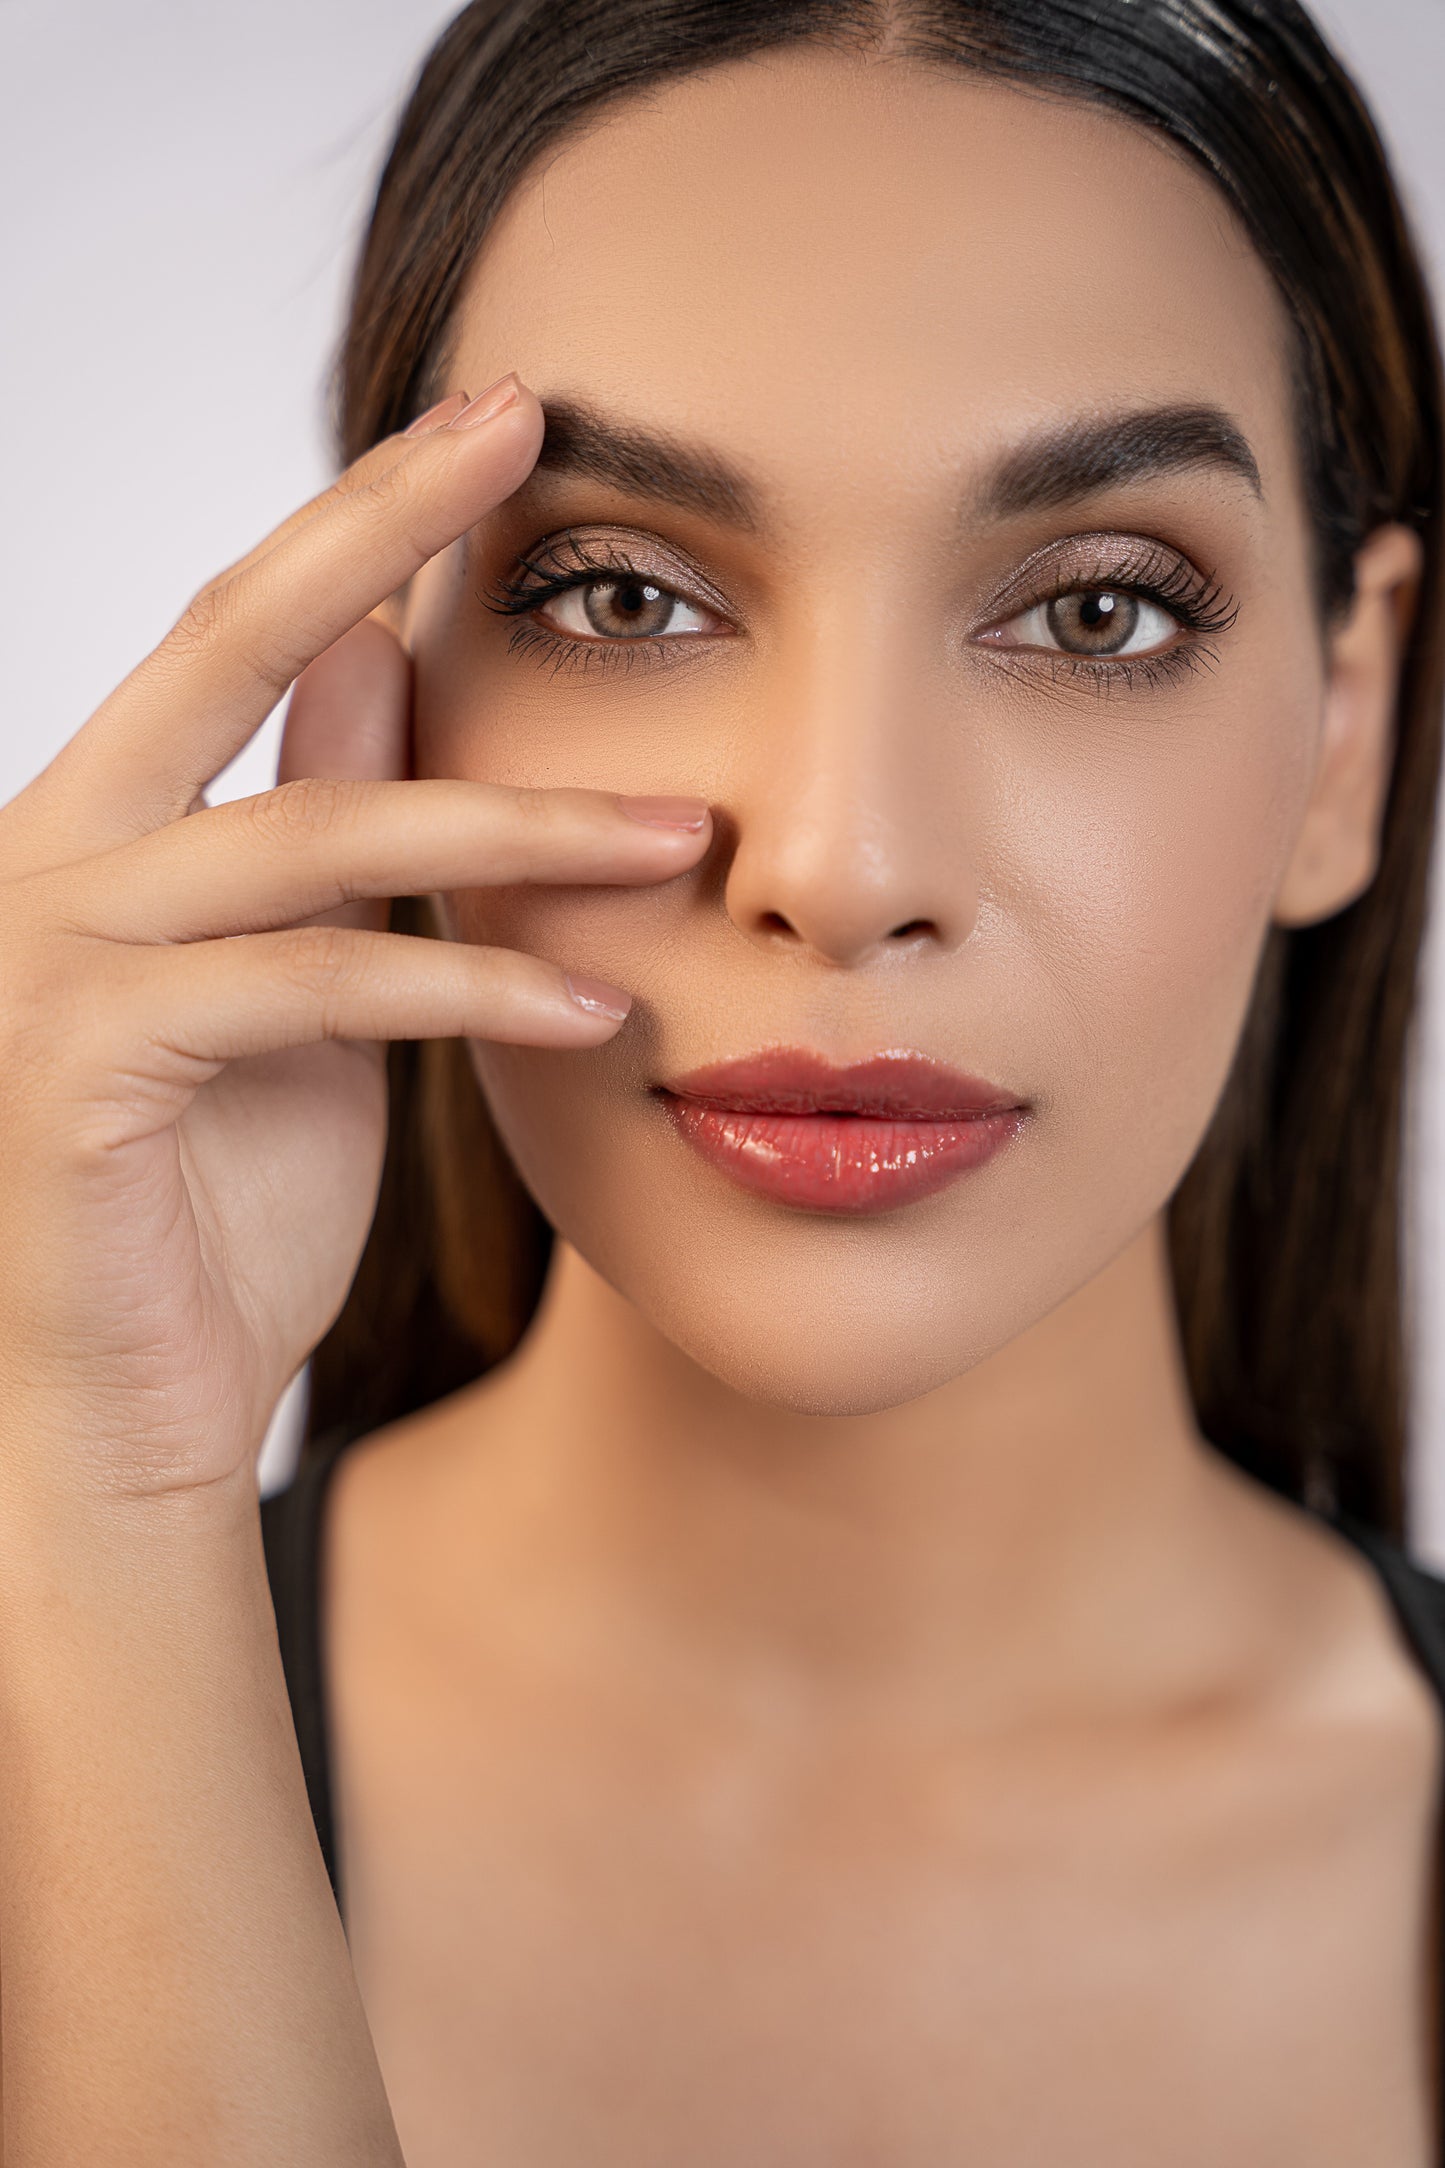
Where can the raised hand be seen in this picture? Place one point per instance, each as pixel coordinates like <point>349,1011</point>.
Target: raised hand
<point>194,1000</point>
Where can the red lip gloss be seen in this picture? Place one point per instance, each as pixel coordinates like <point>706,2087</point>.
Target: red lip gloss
<point>864,1137</point>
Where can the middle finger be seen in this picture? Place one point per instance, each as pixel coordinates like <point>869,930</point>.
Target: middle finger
<point>318,843</point>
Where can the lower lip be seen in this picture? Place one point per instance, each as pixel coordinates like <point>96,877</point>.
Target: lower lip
<point>851,1163</point>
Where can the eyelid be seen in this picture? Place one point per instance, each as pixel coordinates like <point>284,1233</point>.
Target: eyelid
<point>546,559</point>
<point>1142,565</point>
<point>1082,558</point>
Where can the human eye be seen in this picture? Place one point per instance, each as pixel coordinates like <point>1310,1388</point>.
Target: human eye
<point>583,601</point>
<point>1112,609</point>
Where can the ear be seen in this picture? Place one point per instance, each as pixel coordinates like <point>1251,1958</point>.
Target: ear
<point>1337,850</point>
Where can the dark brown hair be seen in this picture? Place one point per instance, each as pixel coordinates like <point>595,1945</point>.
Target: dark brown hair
<point>1285,1232</point>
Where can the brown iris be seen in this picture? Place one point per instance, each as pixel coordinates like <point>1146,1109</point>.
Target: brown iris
<point>1094,620</point>
<point>627,606</point>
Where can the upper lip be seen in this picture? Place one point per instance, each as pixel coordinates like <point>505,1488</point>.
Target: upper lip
<point>898,1084</point>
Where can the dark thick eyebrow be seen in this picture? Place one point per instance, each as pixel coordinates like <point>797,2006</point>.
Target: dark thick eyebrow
<point>1055,466</point>
<point>1060,465</point>
<point>581,440</point>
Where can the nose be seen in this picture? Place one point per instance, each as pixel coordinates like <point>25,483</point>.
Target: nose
<point>855,826</point>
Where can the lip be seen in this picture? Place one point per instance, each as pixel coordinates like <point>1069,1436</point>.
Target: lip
<point>855,1137</point>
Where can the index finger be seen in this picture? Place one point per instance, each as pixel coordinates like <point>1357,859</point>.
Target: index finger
<point>191,705</point>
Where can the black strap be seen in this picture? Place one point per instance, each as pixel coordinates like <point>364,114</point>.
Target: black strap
<point>291,1530</point>
<point>1418,1599</point>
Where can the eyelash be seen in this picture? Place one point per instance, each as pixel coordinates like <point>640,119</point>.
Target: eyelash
<point>1151,573</point>
<point>532,584</point>
<point>1148,572</point>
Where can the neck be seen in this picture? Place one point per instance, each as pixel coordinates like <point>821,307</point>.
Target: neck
<point>1051,1504</point>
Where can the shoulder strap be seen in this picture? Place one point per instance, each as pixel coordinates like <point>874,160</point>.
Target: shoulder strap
<point>1417,1594</point>
<point>1418,1599</point>
<point>291,1531</point>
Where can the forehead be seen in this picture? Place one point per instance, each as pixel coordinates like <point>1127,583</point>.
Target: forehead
<point>871,269</point>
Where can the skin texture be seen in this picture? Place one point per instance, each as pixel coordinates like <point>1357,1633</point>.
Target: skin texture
<point>191,1096</point>
<point>1089,871</point>
<point>821,1702</point>
<point>746,1634</point>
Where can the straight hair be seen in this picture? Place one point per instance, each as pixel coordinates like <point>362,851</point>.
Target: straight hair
<point>1285,1232</point>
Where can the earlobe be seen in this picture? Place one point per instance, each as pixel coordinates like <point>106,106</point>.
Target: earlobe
<point>1336,853</point>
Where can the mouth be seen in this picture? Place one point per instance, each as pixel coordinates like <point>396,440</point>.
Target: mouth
<point>862,1137</point>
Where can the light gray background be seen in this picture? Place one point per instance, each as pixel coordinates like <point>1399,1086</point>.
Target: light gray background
<point>184,183</point>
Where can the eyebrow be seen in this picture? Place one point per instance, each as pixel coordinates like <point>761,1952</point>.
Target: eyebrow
<point>1081,457</point>
<point>1052,467</point>
<point>579,439</point>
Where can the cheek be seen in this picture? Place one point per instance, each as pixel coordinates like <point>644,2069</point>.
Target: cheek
<point>1142,890</point>
<point>1127,861</point>
<point>613,933</point>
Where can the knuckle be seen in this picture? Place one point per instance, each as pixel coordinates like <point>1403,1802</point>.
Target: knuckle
<point>301,811</point>
<point>390,499</point>
<point>53,1006</point>
<point>321,959</point>
<point>383,492</point>
<point>234,615</point>
<point>536,808</point>
<point>204,618</point>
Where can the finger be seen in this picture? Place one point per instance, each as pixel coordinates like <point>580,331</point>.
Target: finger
<point>221,1001</point>
<point>54,821</point>
<point>348,718</point>
<point>315,844</point>
<point>348,711</point>
<point>373,462</point>
<point>191,705</point>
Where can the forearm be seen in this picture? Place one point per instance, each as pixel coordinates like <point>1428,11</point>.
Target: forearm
<point>177,1986</point>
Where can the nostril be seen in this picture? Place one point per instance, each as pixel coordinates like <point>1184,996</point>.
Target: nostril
<point>911,927</point>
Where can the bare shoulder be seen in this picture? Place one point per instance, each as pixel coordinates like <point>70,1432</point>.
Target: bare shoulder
<point>397,1491</point>
<point>1342,1674</point>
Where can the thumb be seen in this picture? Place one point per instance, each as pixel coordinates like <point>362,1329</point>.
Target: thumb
<point>350,715</point>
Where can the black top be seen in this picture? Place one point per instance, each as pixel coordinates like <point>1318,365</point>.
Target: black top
<point>291,1530</point>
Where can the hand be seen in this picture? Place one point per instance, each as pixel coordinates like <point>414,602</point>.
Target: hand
<point>194,999</point>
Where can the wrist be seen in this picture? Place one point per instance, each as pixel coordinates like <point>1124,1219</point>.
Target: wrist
<point>96,1579</point>
<point>67,1460</point>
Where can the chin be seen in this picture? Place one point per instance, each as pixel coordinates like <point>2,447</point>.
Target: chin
<point>810,1314</point>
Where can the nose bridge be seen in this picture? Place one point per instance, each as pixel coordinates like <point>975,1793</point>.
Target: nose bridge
<point>853,827</point>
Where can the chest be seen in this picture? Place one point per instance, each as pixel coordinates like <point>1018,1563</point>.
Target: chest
<point>583,1933</point>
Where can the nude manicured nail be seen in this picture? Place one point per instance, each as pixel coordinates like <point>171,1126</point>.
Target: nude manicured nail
<point>492,401</point>
<point>666,812</point>
<point>435,416</point>
<point>596,996</point>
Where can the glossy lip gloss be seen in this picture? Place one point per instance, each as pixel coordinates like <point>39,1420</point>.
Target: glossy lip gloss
<point>863,1137</point>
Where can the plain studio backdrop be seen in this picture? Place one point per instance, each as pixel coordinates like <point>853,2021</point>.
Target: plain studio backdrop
<point>185,185</point>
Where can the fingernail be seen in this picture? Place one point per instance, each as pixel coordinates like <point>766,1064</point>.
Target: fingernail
<point>492,401</point>
<point>666,812</point>
<point>596,996</point>
<point>435,415</point>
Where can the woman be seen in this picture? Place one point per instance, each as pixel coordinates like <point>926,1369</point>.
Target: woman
<point>861,1615</point>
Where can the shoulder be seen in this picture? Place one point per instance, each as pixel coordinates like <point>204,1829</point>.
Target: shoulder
<point>379,1465</point>
<point>1416,1593</point>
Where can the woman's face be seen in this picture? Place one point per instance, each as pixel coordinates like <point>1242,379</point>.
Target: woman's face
<point>993,650</point>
